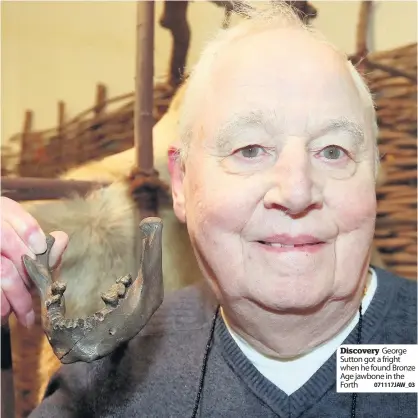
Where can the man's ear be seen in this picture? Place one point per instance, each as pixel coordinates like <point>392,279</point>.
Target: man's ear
<point>176,170</point>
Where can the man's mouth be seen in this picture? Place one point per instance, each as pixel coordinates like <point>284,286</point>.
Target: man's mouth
<point>277,244</point>
<point>283,243</point>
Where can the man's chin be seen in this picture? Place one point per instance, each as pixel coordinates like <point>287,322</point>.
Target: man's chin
<point>288,303</point>
<point>303,294</point>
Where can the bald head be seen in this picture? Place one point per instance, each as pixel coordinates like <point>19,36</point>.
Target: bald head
<point>273,38</point>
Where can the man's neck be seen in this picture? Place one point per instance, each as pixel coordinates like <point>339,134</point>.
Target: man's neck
<point>290,375</point>
<point>289,335</point>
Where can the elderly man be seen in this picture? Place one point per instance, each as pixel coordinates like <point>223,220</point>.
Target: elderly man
<point>275,178</point>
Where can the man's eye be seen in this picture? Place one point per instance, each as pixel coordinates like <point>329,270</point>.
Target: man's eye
<point>252,151</point>
<point>333,152</point>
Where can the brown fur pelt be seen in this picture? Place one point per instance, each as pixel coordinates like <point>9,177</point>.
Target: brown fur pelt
<point>102,230</point>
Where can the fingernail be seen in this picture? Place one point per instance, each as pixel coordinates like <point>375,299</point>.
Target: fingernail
<point>37,243</point>
<point>30,319</point>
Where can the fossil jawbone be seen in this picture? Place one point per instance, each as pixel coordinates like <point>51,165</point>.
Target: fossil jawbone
<point>129,304</point>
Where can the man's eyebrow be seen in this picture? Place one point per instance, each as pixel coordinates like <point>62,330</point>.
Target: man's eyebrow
<point>341,124</point>
<point>227,133</point>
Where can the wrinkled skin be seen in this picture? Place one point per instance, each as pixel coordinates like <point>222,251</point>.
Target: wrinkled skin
<point>267,158</point>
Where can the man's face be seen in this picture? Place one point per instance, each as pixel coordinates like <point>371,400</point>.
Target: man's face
<point>278,191</point>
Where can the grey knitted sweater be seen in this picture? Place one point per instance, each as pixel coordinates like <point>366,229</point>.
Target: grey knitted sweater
<point>157,374</point>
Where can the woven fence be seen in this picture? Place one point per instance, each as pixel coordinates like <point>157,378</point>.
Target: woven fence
<point>105,129</point>
<point>392,78</point>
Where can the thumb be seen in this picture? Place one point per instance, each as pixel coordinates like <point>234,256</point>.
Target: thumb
<point>57,250</point>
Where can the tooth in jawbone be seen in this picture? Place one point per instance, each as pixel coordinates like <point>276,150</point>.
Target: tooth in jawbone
<point>58,288</point>
<point>120,289</point>
<point>110,297</point>
<point>126,280</point>
<point>100,316</point>
<point>116,291</point>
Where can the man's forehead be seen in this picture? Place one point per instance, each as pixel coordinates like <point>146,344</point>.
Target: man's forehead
<point>251,84</point>
<point>246,93</point>
<point>288,48</point>
<point>284,104</point>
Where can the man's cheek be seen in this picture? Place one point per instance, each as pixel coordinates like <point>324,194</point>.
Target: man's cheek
<point>220,205</point>
<point>217,216</point>
<point>353,207</point>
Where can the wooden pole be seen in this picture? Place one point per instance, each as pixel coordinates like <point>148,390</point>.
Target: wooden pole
<point>25,144</point>
<point>144,86</point>
<point>363,24</point>
<point>174,19</point>
<point>60,140</point>
<point>145,196</point>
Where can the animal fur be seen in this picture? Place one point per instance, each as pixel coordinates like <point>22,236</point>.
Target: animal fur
<point>102,231</point>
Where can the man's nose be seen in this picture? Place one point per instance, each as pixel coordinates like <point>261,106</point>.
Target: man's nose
<point>293,188</point>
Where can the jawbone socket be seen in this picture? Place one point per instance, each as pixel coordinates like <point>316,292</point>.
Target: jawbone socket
<point>129,304</point>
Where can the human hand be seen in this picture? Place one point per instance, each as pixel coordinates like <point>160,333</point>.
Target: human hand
<point>20,235</point>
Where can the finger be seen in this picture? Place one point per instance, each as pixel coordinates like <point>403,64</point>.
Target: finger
<point>25,225</point>
<point>16,293</point>
<point>13,248</point>
<point>5,308</point>
<point>57,250</point>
